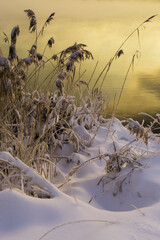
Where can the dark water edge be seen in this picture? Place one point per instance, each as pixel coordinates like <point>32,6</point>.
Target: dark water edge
<point>144,117</point>
<point>145,120</point>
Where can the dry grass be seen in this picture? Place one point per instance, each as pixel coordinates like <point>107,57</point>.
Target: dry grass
<point>35,125</point>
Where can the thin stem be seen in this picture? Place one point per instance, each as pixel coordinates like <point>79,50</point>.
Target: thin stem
<point>74,222</point>
<point>47,77</point>
<point>108,65</point>
<point>125,79</point>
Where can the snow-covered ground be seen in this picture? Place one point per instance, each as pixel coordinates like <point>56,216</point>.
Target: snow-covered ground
<point>122,205</point>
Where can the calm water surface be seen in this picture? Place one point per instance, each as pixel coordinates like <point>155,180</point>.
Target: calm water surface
<point>102,25</point>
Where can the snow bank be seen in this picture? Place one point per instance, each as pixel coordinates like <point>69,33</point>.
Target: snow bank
<point>126,207</point>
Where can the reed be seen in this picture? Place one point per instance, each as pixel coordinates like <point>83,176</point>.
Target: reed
<point>119,52</point>
<point>36,124</point>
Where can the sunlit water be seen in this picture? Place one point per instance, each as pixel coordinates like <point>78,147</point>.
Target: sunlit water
<point>102,25</point>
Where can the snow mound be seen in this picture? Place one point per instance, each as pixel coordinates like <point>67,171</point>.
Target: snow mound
<point>97,201</point>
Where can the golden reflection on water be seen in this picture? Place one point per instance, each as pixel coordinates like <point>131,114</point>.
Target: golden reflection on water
<point>103,26</point>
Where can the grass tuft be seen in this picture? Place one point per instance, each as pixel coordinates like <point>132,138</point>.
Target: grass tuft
<point>60,110</point>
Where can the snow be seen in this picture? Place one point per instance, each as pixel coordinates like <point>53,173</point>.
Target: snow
<point>90,206</point>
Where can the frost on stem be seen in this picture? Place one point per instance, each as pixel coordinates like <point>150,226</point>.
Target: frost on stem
<point>137,129</point>
<point>34,178</point>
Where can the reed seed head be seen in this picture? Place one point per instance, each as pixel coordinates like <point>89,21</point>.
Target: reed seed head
<point>49,19</point>
<point>4,62</point>
<point>32,51</point>
<point>33,21</point>
<point>69,65</point>
<point>14,33</point>
<point>5,37</point>
<point>51,42</point>
<point>12,53</point>
<point>119,53</point>
<point>39,56</point>
<point>54,57</point>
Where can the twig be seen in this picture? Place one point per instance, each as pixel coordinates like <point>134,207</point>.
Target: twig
<point>138,209</point>
<point>74,222</point>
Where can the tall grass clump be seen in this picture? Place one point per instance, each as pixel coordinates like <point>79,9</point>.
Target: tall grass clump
<point>36,124</point>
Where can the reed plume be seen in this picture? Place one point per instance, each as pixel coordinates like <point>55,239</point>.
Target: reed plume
<point>14,33</point>
<point>32,17</point>
<point>49,19</point>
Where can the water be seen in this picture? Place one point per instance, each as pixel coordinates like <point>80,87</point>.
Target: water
<point>103,26</point>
